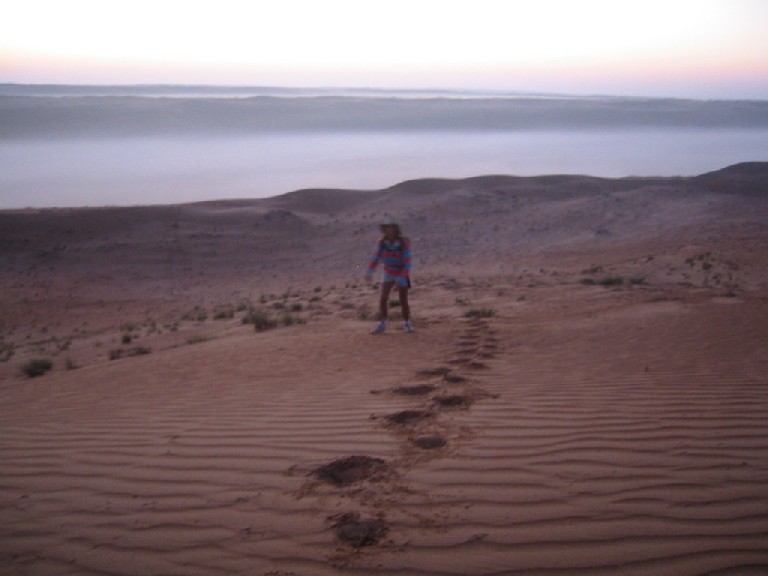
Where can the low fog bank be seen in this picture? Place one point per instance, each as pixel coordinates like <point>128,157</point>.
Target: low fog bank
<point>169,170</point>
<point>94,116</point>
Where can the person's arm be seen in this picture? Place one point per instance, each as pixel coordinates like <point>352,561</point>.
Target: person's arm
<point>406,275</point>
<point>373,262</point>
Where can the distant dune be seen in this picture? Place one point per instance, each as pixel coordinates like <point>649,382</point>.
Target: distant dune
<point>584,392</point>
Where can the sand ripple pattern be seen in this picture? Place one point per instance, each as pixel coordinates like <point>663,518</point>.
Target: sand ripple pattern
<point>650,457</point>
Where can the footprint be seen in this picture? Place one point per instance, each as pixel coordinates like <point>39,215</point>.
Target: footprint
<point>430,372</point>
<point>477,366</point>
<point>351,529</point>
<point>430,442</point>
<point>455,401</point>
<point>409,417</point>
<point>350,470</point>
<point>421,390</point>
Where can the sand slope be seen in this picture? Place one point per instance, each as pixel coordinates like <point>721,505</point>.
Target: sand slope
<point>582,427</point>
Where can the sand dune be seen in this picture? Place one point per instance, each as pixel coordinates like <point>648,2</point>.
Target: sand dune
<point>584,394</point>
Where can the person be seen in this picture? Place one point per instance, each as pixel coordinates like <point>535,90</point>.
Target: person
<point>393,251</point>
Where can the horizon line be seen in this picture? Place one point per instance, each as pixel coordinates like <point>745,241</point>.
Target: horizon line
<point>479,92</point>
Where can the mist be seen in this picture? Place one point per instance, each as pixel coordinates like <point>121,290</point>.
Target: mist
<point>112,149</point>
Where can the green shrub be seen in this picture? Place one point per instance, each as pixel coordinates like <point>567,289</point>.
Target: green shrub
<point>224,314</point>
<point>37,367</point>
<point>289,320</point>
<point>260,320</point>
<point>612,281</point>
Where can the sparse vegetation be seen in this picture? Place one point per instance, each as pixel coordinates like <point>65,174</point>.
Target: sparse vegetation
<point>289,320</point>
<point>122,353</point>
<point>611,281</point>
<point>260,320</point>
<point>6,351</point>
<point>37,367</point>
<point>480,313</point>
<point>364,312</point>
<point>197,314</point>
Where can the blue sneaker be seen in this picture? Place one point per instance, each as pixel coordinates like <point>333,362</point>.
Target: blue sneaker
<point>408,327</point>
<point>380,327</point>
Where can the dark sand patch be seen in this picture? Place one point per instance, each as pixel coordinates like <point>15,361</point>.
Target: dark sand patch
<point>451,379</point>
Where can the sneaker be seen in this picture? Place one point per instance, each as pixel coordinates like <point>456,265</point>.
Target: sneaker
<point>380,327</point>
<point>408,327</point>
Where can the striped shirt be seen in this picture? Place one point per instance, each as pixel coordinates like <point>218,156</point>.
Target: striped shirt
<point>395,258</point>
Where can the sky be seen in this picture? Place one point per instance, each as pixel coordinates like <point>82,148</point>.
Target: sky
<point>676,48</point>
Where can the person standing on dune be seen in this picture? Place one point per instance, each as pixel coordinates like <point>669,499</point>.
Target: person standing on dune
<point>393,251</point>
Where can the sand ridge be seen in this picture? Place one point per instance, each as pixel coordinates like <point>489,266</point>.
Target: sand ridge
<point>582,407</point>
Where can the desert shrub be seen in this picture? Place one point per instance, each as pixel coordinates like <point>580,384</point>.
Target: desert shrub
<point>364,312</point>
<point>127,338</point>
<point>37,367</point>
<point>480,313</point>
<point>197,314</point>
<point>612,281</point>
<point>260,320</point>
<point>121,353</point>
<point>394,303</point>
<point>289,320</point>
<point>224,314</point>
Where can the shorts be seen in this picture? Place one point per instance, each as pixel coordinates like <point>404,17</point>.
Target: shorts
<point>398,280</point>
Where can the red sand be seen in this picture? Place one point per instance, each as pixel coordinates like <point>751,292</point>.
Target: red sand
<point>612,429</point>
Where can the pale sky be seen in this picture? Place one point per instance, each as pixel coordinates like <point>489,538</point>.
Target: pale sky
<point>679,48</point>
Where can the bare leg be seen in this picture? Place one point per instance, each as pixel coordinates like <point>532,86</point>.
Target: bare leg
<point>386,288</point>
<point>403,292</point>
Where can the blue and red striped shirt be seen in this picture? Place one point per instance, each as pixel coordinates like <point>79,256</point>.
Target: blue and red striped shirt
<point>395,258</point>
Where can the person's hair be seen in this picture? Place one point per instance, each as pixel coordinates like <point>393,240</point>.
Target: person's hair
<point>398,231</point>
